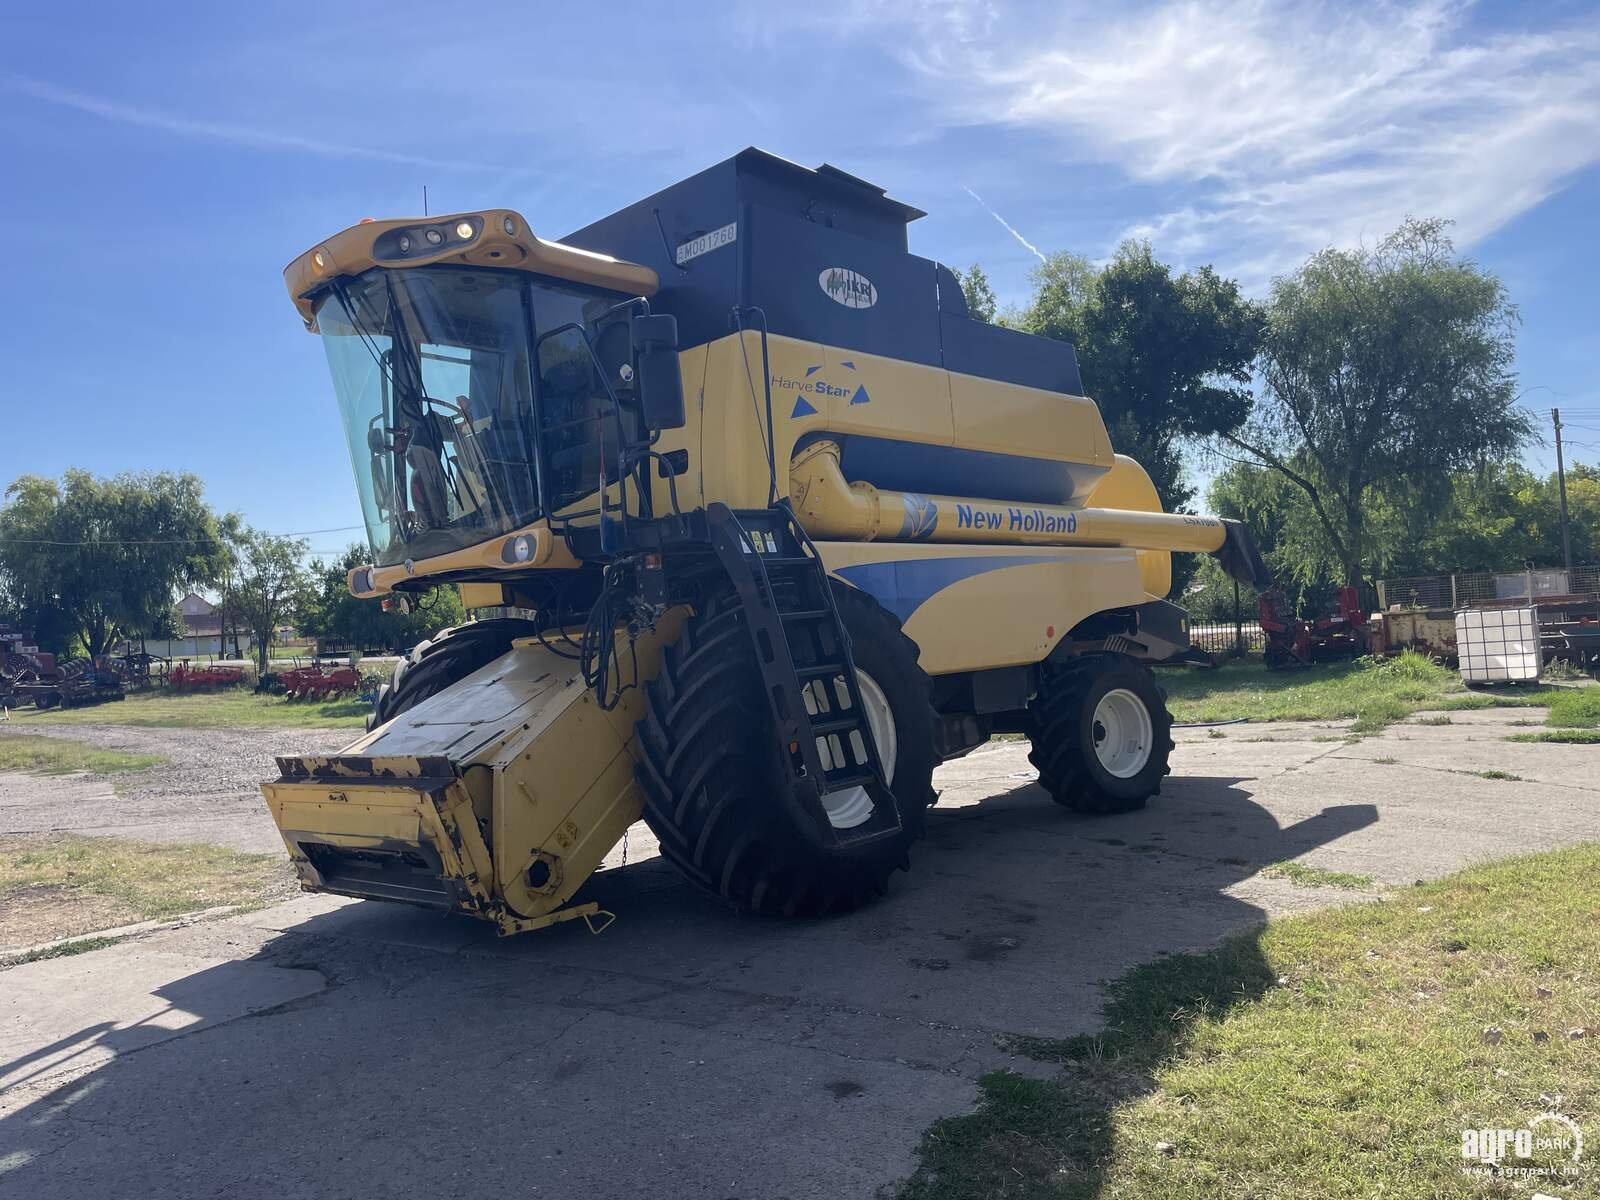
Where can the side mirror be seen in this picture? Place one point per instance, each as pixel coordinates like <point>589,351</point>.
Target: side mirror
<point>660,381</point>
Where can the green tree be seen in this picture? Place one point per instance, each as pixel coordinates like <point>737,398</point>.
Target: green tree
<point>332,613</point>
<point>1496,517</point>
<point>268,586</point>
<point>1166,357</point>
<point>1503,517</point>
<point>88,561</point>
<point>1285,530</point>
<point>980,297</point>
<point>1385,369</point>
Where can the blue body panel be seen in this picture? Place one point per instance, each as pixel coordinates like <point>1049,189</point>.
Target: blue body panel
<point>906,585</point>
<point>951,470</point>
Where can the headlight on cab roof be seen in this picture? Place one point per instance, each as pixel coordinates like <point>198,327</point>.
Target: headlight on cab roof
<point>427,238</point>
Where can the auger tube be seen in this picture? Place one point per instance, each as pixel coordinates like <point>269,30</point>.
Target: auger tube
<point>831,507</point>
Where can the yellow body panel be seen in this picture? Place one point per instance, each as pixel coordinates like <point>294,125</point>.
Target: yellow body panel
<point>822,390</point>
<point>972,608</point>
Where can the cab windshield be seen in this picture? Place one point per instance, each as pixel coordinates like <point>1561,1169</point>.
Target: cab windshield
<point>433,371</point>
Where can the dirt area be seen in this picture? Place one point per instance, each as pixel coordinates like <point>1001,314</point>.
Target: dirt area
<point>208,791</point>
<point>59,885</point>
<point>48,911</point>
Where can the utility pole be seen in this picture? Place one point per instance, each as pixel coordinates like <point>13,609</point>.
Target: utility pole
<point>1561,485</point>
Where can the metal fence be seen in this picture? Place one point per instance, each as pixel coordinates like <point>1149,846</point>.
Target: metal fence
<point>1222,638</point>
<point>1470,589</point>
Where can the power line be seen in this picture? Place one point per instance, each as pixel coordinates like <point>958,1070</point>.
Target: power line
<point>172,541</point>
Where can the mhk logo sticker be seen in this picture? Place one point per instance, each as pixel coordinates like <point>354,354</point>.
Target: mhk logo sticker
<point>847,287</point>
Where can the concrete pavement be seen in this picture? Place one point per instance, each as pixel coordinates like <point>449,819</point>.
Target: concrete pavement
<point>330,1049</point>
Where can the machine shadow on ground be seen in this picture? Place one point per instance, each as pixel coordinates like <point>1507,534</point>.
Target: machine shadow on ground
<point>1013,916</point>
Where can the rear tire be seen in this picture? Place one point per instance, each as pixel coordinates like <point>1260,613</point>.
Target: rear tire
<point>446,658</point>
<point>710,767</point>
<point>1101,734</point>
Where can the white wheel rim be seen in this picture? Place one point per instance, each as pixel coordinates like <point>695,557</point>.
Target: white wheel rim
<point>1123,733</point>
<point>851,806</point>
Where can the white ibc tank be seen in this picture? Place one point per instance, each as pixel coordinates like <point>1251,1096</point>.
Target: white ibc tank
<point>1498,645</point>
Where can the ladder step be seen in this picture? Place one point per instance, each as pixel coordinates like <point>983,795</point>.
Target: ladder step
<point>826,725</point>
<point>804,614</point>
<point>855,777</point>
<point>821,671</point>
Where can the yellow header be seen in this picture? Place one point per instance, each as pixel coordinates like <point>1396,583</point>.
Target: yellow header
<point>496,237</point>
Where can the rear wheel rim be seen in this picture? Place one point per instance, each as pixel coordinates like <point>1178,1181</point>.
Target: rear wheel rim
<point>1123,733</point>
<point>852,806</point>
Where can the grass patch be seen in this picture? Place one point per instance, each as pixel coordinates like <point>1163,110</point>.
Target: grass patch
<point>1371,692</point>
<point>225,709</point>
<point>1577,737</point>
<point>61,885</point>
<point>64,950</point>
<point>1495,774</point>
<point>41,755</point>
<point>1575,708</point>
<point>1337,1055</point>
<point>1302,875</point>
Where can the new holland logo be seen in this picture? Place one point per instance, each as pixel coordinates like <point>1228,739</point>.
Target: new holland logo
<point>847,287</point>
<point>921,517</point>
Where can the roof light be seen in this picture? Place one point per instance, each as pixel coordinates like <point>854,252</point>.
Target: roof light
<point>405,243</point>
<point>518,549</point>
<point>510,224</point>
<point>464,230</point>
<point>434,237</point>
<point>319,260</point>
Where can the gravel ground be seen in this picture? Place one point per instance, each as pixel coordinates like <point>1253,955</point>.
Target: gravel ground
<point>208,791</point>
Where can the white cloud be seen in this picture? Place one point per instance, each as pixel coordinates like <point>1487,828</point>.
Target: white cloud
<point>1284,126</point>
<point>219,131</point>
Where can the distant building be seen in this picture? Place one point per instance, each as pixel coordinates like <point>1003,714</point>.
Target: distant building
<point>202,631</point>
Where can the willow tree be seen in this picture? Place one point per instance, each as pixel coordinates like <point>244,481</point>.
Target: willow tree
<point>1383,370</point>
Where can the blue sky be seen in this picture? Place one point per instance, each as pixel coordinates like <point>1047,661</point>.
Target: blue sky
<point>163,162</point>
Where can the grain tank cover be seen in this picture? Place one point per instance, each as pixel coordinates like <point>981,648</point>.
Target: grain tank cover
<point>824,255</point>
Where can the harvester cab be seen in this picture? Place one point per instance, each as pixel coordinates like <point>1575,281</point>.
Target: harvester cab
<point>761,526</point>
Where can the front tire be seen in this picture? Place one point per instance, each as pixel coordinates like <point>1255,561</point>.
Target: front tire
<point>710,767</point>
<point>446,658</point>
<point>1101,734</point>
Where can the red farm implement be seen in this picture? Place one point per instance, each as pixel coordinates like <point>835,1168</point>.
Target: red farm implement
<point>186,677</point>
<point>319,682</point>
<point>1294,642</point>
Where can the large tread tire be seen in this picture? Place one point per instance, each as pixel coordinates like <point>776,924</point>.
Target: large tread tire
<point>1062,730</point>
<point>448,657</point>
<point>710,767</point>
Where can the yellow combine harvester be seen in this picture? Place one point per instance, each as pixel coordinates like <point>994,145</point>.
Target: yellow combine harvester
<point>775,527</point>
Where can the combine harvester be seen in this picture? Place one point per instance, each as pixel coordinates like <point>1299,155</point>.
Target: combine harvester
<point>789,527</point>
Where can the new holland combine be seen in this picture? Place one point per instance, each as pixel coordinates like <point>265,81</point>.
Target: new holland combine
<point>773,527</point>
